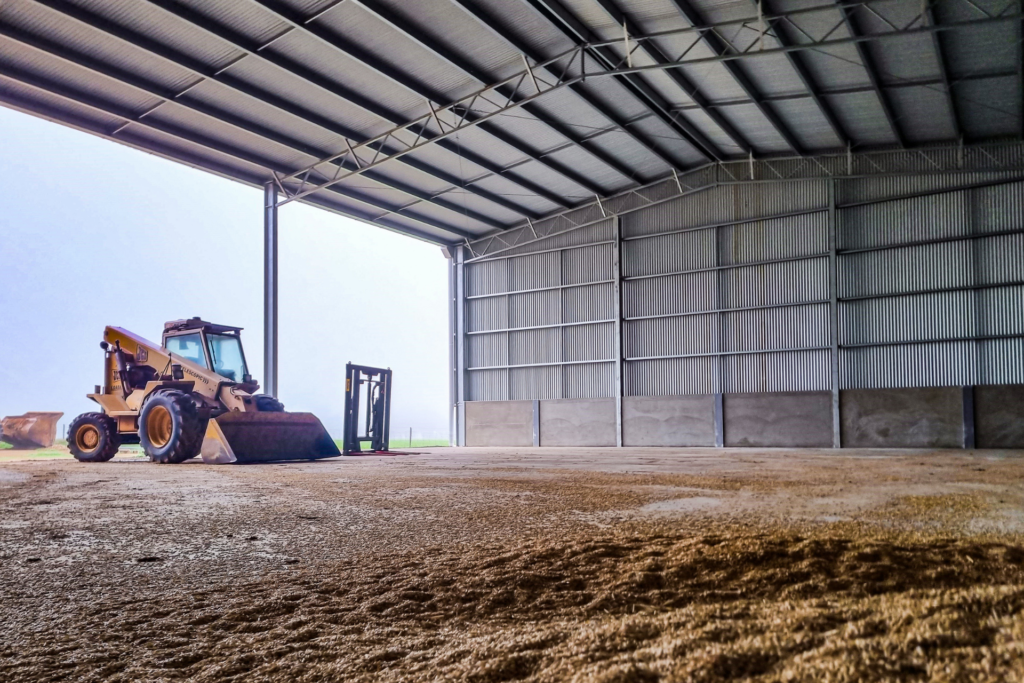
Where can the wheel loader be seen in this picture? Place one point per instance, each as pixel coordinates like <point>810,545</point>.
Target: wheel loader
<point>190,395</point>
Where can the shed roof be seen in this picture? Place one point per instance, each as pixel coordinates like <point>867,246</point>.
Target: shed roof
<point>449,120</point>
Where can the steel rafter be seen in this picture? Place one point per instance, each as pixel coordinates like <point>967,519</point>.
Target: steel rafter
<point>453,118</point>
<point>318,80</point>
<point>492,24</point>
<point>795,61</point>
<point>206,73</point>
<point>853,27</point>
<point>677,76</point>
<point>191,138</point>
<point>437,49</point>
<point>720,47</point>
<point>580,35</point>
<point>165,97</point>
<point>940,56</point>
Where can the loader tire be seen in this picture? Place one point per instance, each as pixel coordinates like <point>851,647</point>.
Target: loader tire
<point>93,437</point>
<point>266,403</point>
<point>170,429</point>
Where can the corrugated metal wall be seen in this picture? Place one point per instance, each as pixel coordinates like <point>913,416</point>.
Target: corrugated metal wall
<point>731,290</point>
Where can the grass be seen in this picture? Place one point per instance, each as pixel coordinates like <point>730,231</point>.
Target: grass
<point>399,444</point>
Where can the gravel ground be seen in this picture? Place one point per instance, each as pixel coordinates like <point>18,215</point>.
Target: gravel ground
<point>498,565</point>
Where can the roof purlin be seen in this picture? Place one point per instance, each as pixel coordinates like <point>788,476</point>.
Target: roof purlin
<point>491,24</point>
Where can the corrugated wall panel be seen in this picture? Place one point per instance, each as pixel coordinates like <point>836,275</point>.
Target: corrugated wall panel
<point>910,365</point>
<point>487,350</point>
<point>591,264</point>
<point>905,270</point>
<point>775,283</point>
<point>669,253</point>
<point>535,346</point>
<point>688,293</point>
<point>855,190</point>
<point>789,371</point>
<point>487,314</point>
<point>1000,259</point>
<point>1000,361</point>
<point>946,315</point>
<point>712,206</point>
<point>535,271</point>
<point>773,239</point>
<point>771,199</point>
<point>592,302</point>
<point>589,342</point>
<point>998,208</point>
<point>672,376</point>
<point>676,336</point>
<point>907,220</point>
<point>535,308</point>
<point>1001,311</point>
<point>589,380</point>
<point>487,277</point>
<point>766,329</point>
<point>487,385</point>
<point>536,383</point>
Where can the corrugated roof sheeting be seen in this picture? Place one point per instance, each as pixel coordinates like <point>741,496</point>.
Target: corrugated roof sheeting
<point>990,107</point>
<point>287,114</point>
<point>63,31</point>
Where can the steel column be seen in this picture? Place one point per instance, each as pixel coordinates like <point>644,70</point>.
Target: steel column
<point>619,344</point>
<point>460,345</point>
<point>452,345</point>
<point>270,242</point>
<point>833,304</point>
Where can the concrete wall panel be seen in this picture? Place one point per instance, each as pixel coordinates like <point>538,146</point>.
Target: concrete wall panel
<point>668,421</point>
<point>785,419</point>
<point>999,416</point>
<point>903,418</point>
<point>577,422</point>
<point>499,423</point>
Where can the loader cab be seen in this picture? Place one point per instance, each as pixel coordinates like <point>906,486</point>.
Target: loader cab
<point>214,347</point>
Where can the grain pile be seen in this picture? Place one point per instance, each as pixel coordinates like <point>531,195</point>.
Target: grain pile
<point>432,572</point>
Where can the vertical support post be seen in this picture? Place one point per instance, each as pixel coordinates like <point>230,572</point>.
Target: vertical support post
<point>718,380</point>
<point>452,302</point>
<point>270,289</point>
<point>619,345</point>
<point>833,326</point>
<point>460,344</point>
<point>968,404</point>
<point>536,422</point>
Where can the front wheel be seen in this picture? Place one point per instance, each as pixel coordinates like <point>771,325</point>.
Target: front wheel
<point>170,429</point>
<point>93,437</point>
<point>265,403</point>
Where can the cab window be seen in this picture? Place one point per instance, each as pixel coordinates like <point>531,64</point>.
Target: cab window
<point>189,347</point>
<point>226,352</point>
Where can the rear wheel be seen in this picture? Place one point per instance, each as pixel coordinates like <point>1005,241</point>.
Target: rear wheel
<point>170,429</point>
<point>93,437</point>
<point>265,403</point>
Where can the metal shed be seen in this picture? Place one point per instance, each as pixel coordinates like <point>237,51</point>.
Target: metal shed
<point>656,210</point>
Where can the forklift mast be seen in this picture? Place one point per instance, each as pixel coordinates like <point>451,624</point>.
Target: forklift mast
<point>377,423</point>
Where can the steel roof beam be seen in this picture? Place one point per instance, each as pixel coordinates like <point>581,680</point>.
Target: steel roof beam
<point>334,88</point>
<point>940,56</point>
<point>337,43</point>
<point>165,97</point>
<point>853,27</point>
<point>416,34</point>
<point>218,76</point>
<point>796,61</point>
<point>191,138</point>
<point>678,77</point>
<point>580,35</point>
<point>503,34</point>
<point>719,47</point>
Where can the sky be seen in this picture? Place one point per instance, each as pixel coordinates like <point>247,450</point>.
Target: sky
<point>93,233</point>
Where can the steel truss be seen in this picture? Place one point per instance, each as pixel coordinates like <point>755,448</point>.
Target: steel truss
<point>572,67</point>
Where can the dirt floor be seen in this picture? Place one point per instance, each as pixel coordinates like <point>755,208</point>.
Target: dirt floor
<point>496,565</point>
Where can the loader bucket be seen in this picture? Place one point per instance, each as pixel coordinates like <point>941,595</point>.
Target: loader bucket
<point>266,437</point>
<point>31,430</point>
